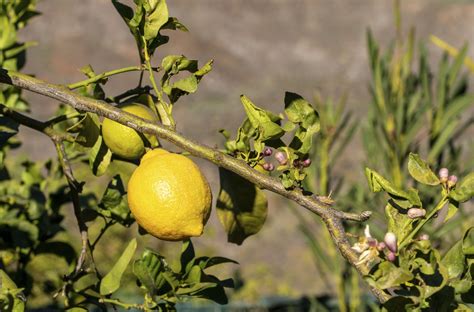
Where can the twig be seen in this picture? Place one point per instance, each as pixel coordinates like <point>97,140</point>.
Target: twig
<point>127,306</point>
<point>99,77</point>
<point>76,188</point>
<point>332,217</point>
<point>34,124</point>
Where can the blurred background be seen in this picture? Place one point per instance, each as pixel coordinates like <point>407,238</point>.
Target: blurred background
<point>260,48</point>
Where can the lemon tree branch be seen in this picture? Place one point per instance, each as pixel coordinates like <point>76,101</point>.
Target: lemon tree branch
<point>333,218</point>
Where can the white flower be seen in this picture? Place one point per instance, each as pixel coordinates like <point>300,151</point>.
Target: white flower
<point>366,247</point>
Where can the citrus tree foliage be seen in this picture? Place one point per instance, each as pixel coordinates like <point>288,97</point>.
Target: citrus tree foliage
<point>419,275</point>
<point>405,270</point>
<point>33,195</point>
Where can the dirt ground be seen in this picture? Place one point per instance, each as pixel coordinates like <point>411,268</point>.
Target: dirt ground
<point>261,48</point>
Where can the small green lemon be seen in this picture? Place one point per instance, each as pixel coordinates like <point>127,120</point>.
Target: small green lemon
<point>124,141</point>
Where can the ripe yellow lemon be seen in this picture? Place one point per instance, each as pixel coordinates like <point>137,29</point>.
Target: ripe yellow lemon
<point>124,141</point>
<point>169,196</point>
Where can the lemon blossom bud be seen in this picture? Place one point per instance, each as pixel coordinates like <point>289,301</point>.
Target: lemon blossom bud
<point>281,157</point>
<point>381,246</point>
<point>391,256</point>
<point>267,151</point>
<point>424,237</point>
<point>306,163</point>
<point>268,166</point>
<point>452,180</point>
<point>391,241</point>
<point>414,213</point>
<point>443,174</point>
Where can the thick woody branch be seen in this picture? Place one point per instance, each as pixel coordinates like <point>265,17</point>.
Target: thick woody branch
<point>332,217</point>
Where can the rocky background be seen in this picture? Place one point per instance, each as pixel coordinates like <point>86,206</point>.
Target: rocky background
<point>261,48</point>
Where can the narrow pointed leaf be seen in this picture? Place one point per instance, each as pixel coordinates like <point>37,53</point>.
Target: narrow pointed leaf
<point>111,282</point>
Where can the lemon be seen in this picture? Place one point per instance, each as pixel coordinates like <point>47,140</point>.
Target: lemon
<point>169,196</point>
<point>124,141</point>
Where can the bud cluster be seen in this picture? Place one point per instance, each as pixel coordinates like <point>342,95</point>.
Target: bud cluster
<point>282,160</point>
<point>390,241</point>
<point>448,180</point>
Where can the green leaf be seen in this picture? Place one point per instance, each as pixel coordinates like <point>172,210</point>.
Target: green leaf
<point>172,65</point>
<point>187,255</point>
<point>378,183</point>
<point>261,120</point>
<point>241,207</point>
<point>153,274</point>
<point>8,128</point>
<point>468,242</point>
<point>301,112</point>
<point>125,11</point>
<point>453,260</point>
<point>157,16</point>
<point>420,171</point>
<point>464,190</point>
<point>19,48</point>
<point>453,207</point>
<point>215,293</point>
<point>77,309</point>
<point>8,33</point>
<point>89,130</point>
<point>388,275</point>
<point>15,297</point>
<point>188,84</point>
<point>206,262</point>
<point>424,266</point>
<point>111,281</point>
<point>173,23</point>
<point>99,157</point>
<point>114,203</point>
<point>398,223</point>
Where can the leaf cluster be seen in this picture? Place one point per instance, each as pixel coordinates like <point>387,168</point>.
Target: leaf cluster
<point>419,276</point>
<point>164,286</point>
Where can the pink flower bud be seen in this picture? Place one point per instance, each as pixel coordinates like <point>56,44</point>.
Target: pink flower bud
<point>267,151</point>
<point>306,163</point>
<point>424,237</point>
<point>372,242</point>
<point>281,157</point>
<point>268,166</point>
<point>443,174</point>
<point>452,180</point>
<point>415,213</point>
<point>381,246</point>
<point>391,256</point>
<point>391,241</point>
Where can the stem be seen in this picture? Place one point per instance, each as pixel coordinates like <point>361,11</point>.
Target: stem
<point>162,109</point>
<point>96,78</point>
<point>124,305</point>
<point>34,124</point>
<point>332,217</point>
<point>418,227</point>
<point>324,167</point>
<point>75,188</point>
